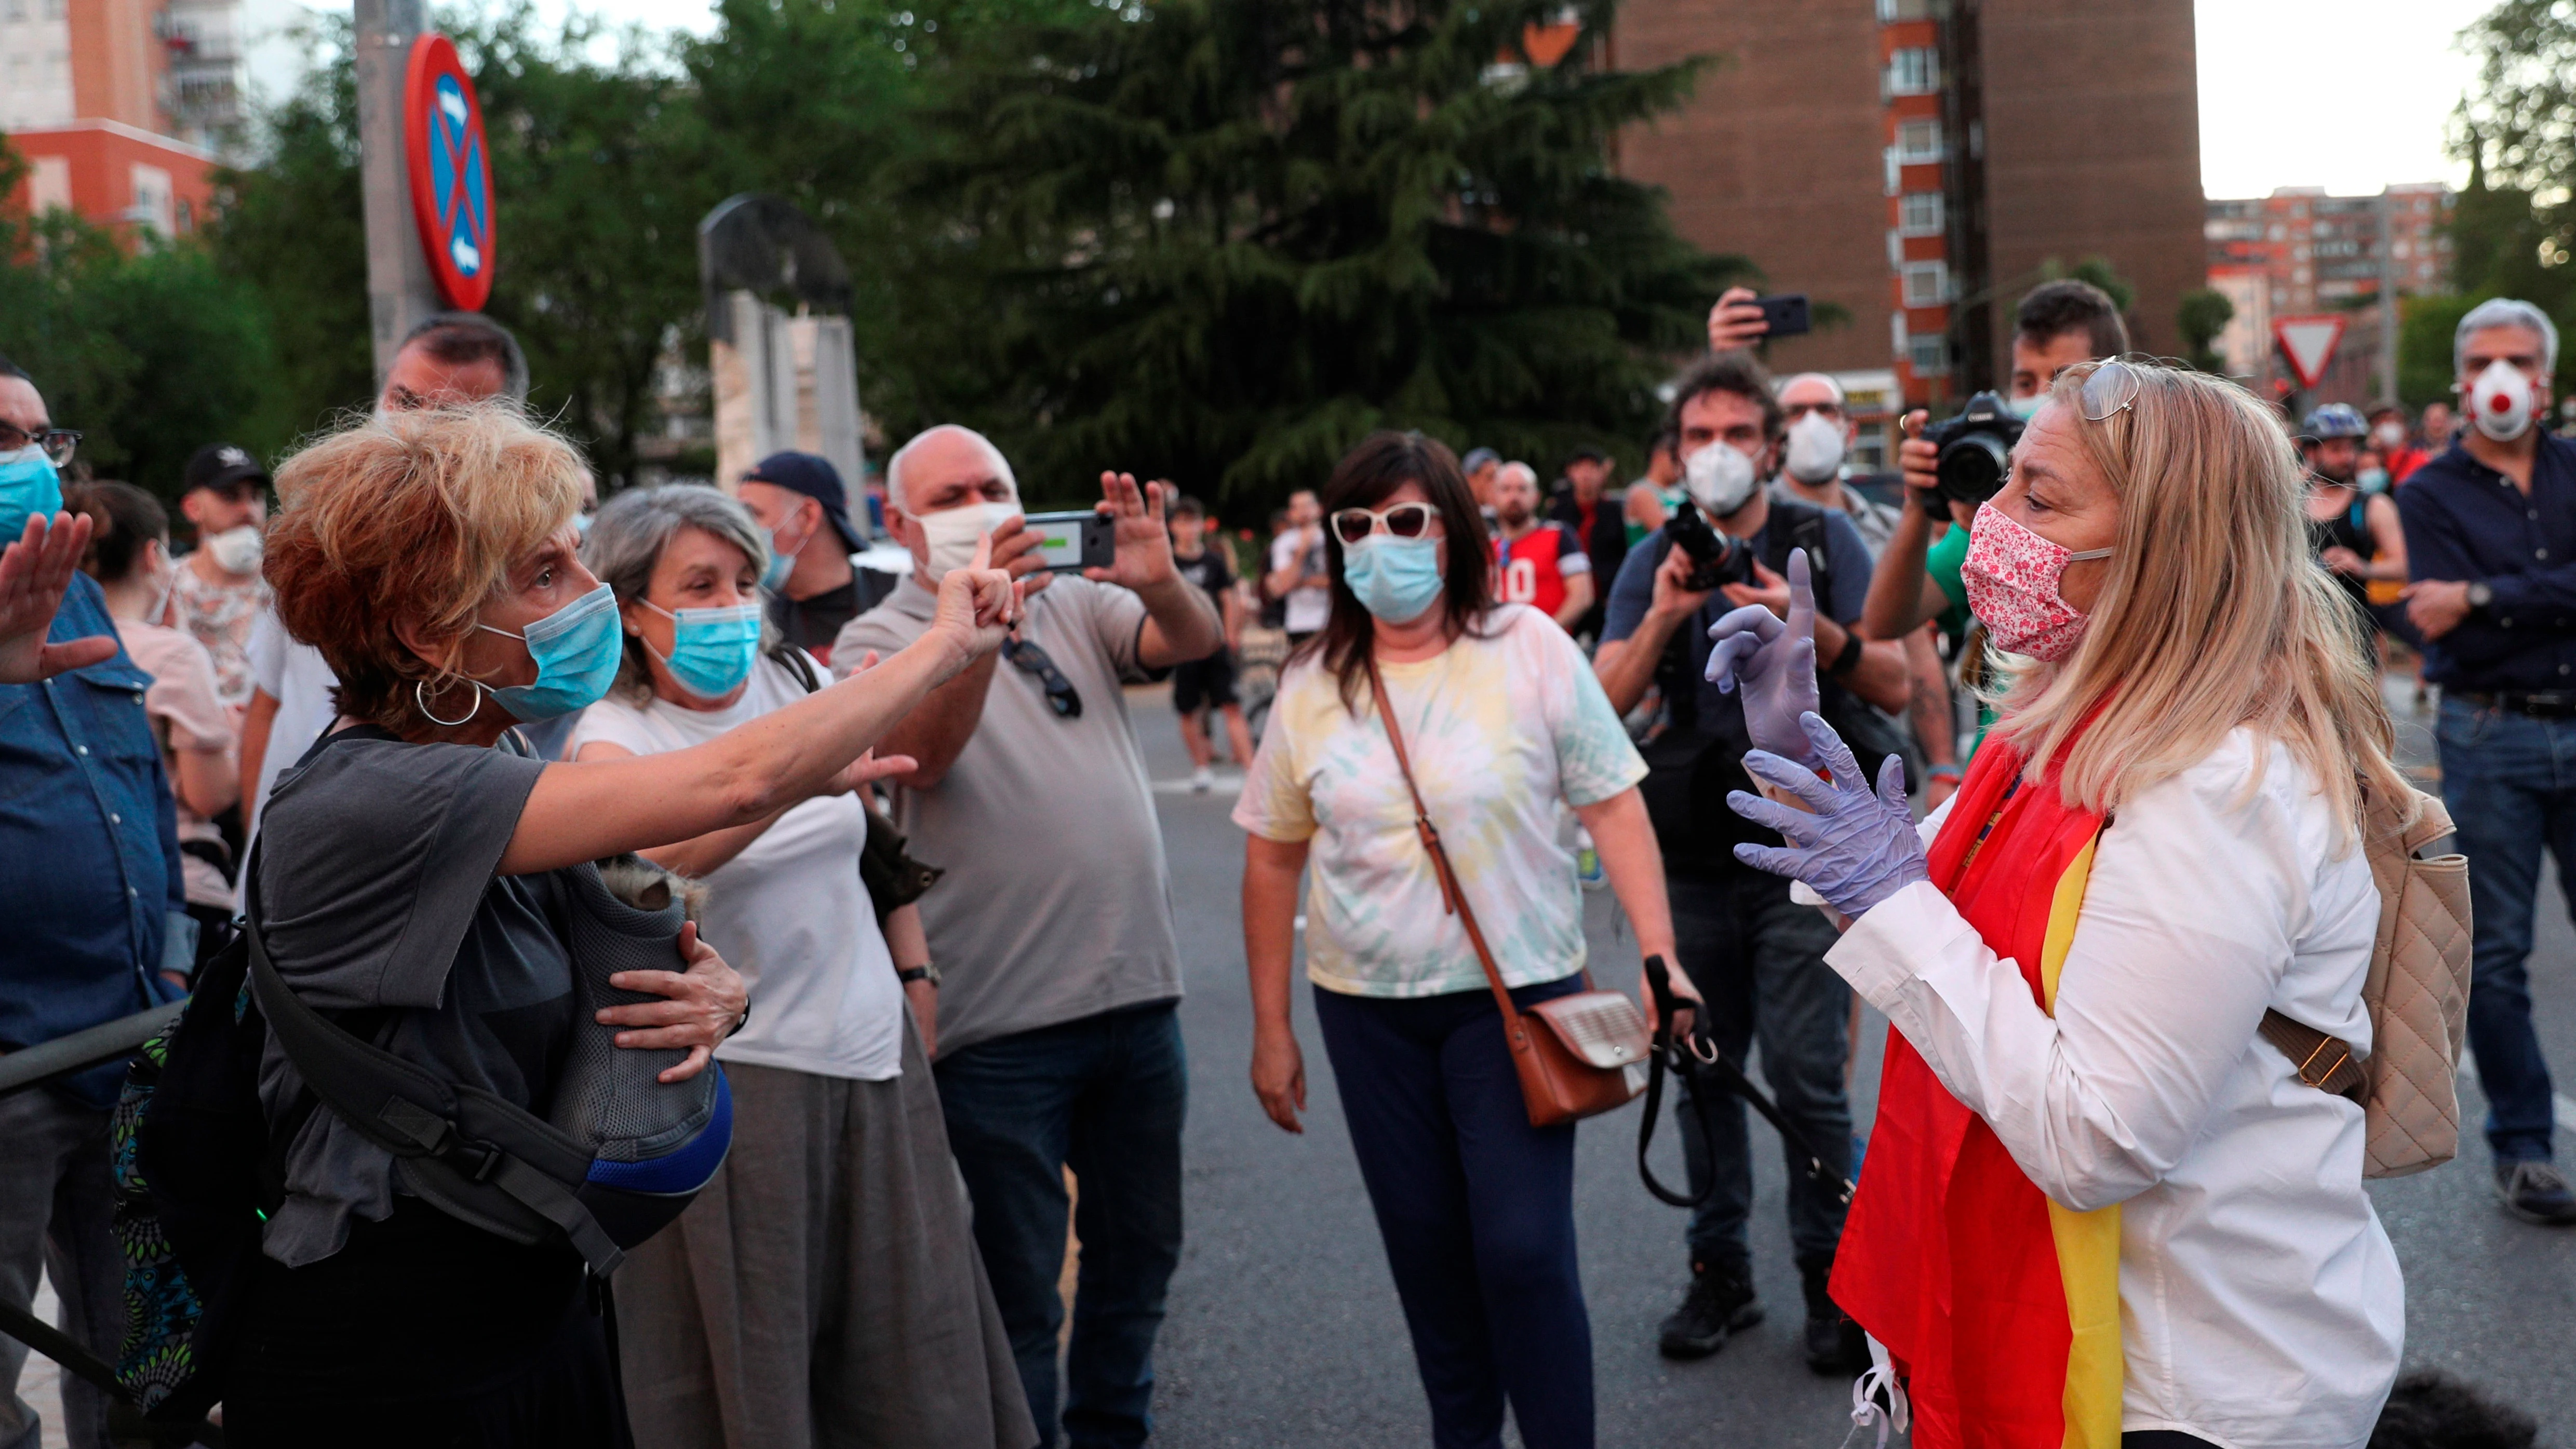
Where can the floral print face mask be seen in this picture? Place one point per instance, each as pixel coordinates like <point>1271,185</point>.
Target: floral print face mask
<point>2011,574</point>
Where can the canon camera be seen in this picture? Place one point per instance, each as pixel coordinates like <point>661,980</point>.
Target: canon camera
<point>1976,452</point>
<point>1716,558</point>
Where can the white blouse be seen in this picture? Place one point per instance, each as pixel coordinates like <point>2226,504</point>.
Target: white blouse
<point>2260,1300</point>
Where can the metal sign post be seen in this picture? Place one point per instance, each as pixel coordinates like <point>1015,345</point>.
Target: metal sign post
<point>399,290</point>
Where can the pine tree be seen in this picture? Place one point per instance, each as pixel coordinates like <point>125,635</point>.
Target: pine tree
<point>1224,239</point>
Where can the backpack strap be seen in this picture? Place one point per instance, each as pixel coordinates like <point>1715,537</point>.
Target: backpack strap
<point>412,1113</point>
<point>2321,1061</point>
<point>793,660</point>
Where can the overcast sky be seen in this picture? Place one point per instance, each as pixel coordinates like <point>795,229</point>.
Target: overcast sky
<point>2345,94</point>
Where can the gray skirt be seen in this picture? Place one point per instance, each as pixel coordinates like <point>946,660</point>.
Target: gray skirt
<point>824,1291</point>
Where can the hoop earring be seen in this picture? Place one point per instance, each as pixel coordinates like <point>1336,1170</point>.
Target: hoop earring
<point>420,699</point>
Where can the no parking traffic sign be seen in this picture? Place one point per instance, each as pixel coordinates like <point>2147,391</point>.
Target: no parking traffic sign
<point>451,173</point>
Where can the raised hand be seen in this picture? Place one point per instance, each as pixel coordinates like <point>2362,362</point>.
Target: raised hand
<point>35,571</point>
<point>1858,848</point>
<point>1144,555</point>
<point>1774,663</point>
<point>1736,321</point>
<point>977,605</point>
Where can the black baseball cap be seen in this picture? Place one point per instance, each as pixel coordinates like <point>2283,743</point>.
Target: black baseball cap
<point>817,479</point>
<point>220,465</point>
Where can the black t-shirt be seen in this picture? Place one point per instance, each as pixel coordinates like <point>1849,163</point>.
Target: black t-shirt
<point>811,624</point>
<point>1210,571</point>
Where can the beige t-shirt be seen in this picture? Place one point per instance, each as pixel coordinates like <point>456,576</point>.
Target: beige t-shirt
<point>1057,904</point>
<point>187,715</point>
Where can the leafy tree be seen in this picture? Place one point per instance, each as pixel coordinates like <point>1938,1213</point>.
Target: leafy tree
<point>2424,328</point>
<point>2201,315</point>
<point>1226,238</point>
<point>292,228</point>
<point>139,342</point>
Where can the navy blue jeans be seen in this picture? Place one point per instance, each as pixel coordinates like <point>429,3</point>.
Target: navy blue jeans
<point>1759,959</point>
<point>1104,1096</point>
<point>2510,782</point>
<point>1477,1210</point>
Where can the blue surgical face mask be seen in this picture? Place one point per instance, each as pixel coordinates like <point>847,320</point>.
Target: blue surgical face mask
<point>782,561</point>
<point>712,650</point>
<point>576,649</point>
<point>1395,578</point>
<point>2371,480</point>
<point>2026,408</point>
<point>28,484</point>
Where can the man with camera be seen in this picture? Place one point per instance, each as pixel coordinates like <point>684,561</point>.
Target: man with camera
<point>1756,957</point>
<point>1059,1045</point>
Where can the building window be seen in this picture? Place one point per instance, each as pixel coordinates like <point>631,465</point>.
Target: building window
<point>1927,284</point>
<point>1918,141</point>
<point>1928,353</point>
<point>1914,72</point>
<point>1920,213</point>
<point>1891,12</point>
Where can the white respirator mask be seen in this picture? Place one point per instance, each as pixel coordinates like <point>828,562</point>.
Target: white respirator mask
<point>2500,401</point>
<point>1815,448</point>
<point>1719,478</point>
<point>953,533</point>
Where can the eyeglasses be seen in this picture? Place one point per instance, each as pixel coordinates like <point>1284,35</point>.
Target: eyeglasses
<point>1028,658</point>
<point>2108,389</point>
<point>58,443</point>
<point>1404,520</point>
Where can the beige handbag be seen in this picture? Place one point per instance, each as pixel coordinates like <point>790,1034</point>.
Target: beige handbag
<point>1587,1054</point>
<point>2417,993</point>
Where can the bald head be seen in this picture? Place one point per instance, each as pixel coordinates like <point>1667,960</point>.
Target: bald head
<point>948,467</point>
<point>1812,392</point>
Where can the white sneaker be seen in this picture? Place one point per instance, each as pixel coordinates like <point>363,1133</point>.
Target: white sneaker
<point>1202,780</point>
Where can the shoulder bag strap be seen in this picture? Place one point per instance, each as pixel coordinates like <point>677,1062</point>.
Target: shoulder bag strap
<point>1451,897</point>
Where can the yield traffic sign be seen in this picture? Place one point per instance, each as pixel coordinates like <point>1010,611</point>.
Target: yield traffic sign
<point>2308,342</point>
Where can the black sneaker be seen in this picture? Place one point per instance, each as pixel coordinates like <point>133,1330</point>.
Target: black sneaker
<point>2536,1192</point>
<point>1721,1302</point>
<point>1834,1343</point>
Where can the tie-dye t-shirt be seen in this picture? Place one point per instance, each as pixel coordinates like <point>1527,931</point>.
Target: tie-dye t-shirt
<point>1503,732</point>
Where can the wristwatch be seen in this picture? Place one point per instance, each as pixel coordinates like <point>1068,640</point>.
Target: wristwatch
<point>2480,595</point>
<point>926,971</point>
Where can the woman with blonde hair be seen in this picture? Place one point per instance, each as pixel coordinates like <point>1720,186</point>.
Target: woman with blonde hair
<point>2098,1206</point>
<point>414,873</point>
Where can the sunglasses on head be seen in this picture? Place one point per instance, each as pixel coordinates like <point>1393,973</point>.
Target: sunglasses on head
<point>1404,520</point>
<point>2108,390</point>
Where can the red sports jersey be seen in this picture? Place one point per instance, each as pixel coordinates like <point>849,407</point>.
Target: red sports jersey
<point>1535,566</point>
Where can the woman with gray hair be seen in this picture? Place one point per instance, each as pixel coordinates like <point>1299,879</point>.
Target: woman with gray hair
<point>825,1286</point>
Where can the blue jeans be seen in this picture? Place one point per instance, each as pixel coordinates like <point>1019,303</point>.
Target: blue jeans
<point>1476,1207</point>
<point>1759,959</point>
<point>1104,1096</point>
<point>2510,782</point>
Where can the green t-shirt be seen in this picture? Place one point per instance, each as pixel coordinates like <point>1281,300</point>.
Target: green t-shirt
<point>1941,562</point>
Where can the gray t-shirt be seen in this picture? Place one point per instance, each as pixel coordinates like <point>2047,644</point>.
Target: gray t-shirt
<point>1057,904</point>
<point>376,890</point>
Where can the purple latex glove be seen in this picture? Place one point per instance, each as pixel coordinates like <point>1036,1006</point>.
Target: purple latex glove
<point>1775,664</point>
<point>1858,848</point>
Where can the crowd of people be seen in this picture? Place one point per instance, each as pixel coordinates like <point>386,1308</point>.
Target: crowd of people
<point>398,731</point>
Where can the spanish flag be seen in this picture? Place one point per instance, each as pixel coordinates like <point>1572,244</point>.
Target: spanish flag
<point>2000,1307</point>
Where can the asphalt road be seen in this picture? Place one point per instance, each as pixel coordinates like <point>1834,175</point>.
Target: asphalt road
<point>1284,1326</point>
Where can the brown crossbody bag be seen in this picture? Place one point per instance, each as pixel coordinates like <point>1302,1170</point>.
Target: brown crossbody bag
<point>1586,1053</point>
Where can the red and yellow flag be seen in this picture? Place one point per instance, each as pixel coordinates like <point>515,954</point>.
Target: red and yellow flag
<point>2001,1307</point>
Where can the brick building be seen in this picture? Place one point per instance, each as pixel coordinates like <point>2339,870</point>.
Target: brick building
<point>1922,163</point>
<point>2299,252</point>
<point>117,105</point>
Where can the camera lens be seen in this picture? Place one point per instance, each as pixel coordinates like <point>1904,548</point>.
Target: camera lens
<point>1972,467</point>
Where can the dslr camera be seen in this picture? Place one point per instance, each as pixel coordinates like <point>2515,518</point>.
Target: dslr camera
<point>1976,452</point>
<point>1716,558</point>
